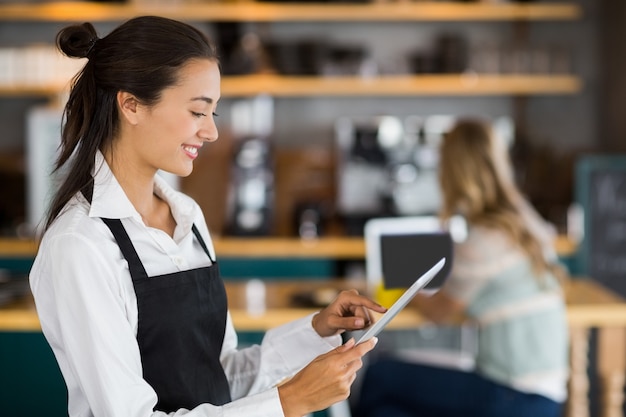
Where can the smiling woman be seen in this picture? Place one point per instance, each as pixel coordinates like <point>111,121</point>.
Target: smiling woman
<point>114,92</point>
<point>126,282</point>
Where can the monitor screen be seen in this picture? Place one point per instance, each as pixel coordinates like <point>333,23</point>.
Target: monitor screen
<point>405,257</point>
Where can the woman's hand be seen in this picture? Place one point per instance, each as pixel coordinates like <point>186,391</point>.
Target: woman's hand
<point>324,381</point>
<point>349,311</point>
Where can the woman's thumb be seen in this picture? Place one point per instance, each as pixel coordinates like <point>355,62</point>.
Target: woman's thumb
<point>346,346</point>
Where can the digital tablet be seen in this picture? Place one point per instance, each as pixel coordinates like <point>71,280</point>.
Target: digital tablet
<point>404,299</point>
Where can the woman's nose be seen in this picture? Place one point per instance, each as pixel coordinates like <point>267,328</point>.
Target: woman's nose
<point>208,131</point>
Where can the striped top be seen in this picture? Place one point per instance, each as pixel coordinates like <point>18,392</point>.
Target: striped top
<point>523,340</point>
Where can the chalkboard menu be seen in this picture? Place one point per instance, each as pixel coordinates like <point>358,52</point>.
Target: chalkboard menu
<point>601,192</point>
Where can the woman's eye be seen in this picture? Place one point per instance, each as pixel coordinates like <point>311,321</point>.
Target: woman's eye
<point>197,114</point>
<point>215,114</point>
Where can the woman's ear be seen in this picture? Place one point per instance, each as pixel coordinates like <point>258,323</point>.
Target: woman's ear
<point>128,106</point>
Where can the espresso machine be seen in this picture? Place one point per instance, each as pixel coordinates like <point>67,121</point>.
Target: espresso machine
<point>385,168</point>
<point>251,190</point>
<point>388,166</point>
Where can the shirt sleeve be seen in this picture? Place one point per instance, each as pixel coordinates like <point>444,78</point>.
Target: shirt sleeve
<point>283,352</point>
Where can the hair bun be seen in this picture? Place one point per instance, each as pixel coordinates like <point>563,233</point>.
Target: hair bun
<point>77,41</point>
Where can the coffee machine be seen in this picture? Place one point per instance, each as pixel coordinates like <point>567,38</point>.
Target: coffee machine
<point>388,166</point>
<point>251,190</point>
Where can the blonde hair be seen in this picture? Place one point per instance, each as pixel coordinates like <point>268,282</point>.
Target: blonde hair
<point>476,180</point>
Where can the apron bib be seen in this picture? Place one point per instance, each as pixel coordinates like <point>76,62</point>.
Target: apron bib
<point>180,330</point>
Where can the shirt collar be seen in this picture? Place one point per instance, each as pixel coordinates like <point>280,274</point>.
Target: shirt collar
<point>182,206</point>
<point>110,201</point>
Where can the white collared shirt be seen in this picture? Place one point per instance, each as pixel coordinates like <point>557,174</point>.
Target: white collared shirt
<point>88,310</point>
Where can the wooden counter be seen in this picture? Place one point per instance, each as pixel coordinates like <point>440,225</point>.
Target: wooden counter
<point>589,306</point>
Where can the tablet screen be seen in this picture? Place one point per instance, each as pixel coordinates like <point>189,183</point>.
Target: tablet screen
<point>402,301</point>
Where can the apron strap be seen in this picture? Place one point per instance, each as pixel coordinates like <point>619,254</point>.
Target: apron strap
<point>199,237</point>
<point>137,271</point>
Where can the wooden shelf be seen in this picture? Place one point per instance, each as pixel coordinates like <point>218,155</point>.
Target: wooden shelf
<point>330,247</point>
<point>250,11</point>
<point>17,248</point>
<point>269,247</point>
<point>50,90</point>
<point>405,85</point>
<point>398,86</point>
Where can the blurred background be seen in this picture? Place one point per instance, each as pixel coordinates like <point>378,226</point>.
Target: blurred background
<point>331,115</point>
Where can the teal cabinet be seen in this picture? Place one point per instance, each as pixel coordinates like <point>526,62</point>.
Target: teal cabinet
<point>31,384</point>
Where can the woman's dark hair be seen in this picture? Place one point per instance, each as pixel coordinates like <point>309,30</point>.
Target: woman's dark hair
<point>142,57</point>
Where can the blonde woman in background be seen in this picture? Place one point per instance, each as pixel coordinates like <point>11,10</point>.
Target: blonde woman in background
<point>504,278</point>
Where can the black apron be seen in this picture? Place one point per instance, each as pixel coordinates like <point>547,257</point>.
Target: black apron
<point>180,330</point>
